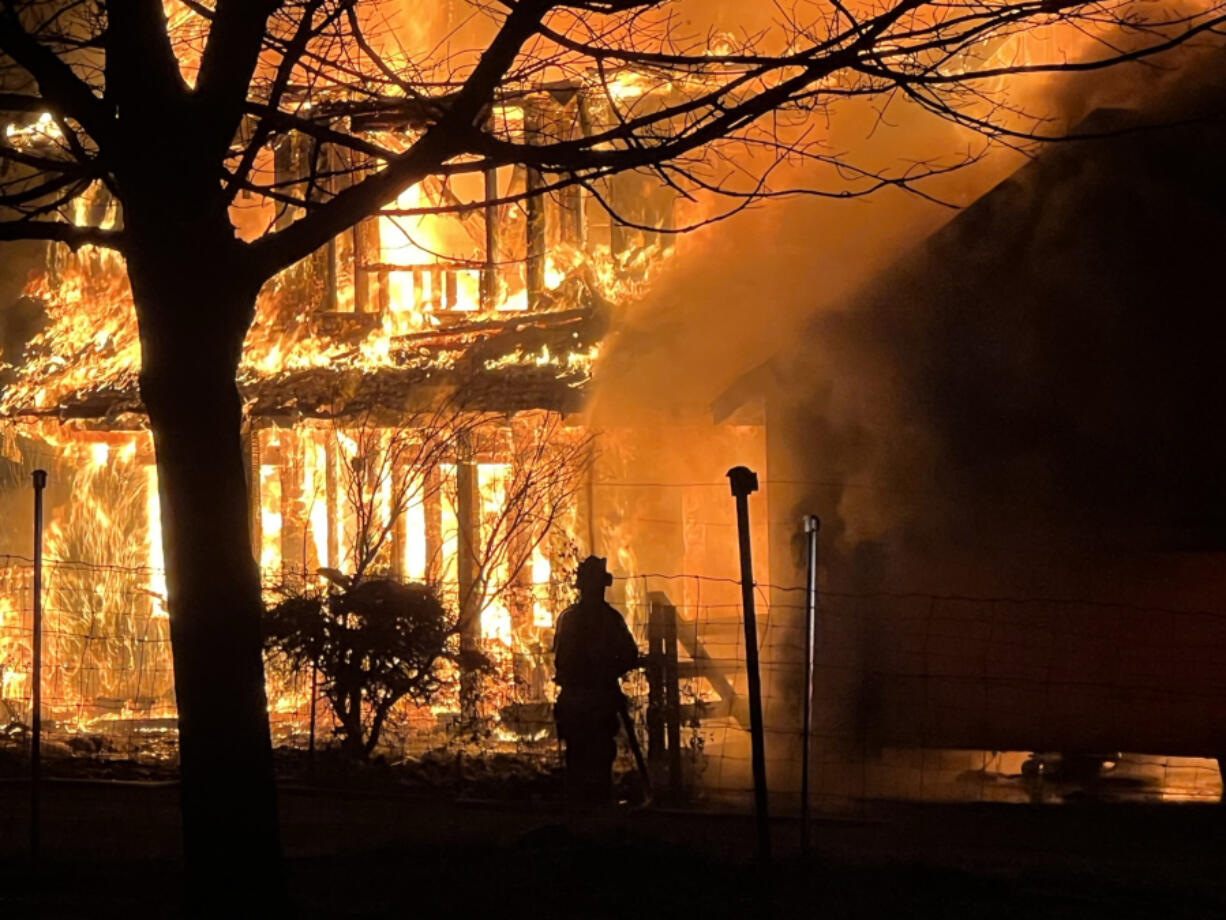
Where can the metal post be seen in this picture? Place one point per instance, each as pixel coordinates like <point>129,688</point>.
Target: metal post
<point>744,481</point>
<point>812,525</point>
<point>672,702</point>
<point>656,697</point>
<point>314,698</point>
<point>36,714</point>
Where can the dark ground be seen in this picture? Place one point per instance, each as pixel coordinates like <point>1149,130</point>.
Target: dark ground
<point>111,850</point>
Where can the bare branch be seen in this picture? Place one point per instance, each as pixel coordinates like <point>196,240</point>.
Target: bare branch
<point>436,146</point>
<point>56,81</point>
<point>75,237</point>
<point>236,38</point>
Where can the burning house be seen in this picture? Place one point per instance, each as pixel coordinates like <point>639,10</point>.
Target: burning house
<point>416,406</point>
<point>432,396</point>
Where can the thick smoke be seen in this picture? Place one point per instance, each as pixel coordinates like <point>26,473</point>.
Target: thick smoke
<point>1030,386</point>
<point>736,291</point>
<point>1042,375</point>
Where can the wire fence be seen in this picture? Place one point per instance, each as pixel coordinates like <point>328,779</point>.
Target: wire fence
<point>107,679</point>
<point>920,696</point>
<point>917,696</point>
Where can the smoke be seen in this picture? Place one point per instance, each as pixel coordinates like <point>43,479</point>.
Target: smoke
<point>737,290</point>
<point>1042,375</point>
<point>1034,378</point>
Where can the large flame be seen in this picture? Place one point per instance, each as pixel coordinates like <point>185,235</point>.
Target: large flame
<point>407,292</point>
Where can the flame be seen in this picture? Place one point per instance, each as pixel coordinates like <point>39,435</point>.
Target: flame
<point>408,290</point>
<point>424,279</point>
<point>157,562</point>
<point>542,572</point>
<point>415,549</point>
<point>492,488</point>
<point>14,653</point>
<point>106,647</point>
<point>314,488</point>
<point>270,518</point>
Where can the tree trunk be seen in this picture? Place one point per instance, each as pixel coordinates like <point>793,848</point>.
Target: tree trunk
<point>193,320</point>
<point>351,719</point>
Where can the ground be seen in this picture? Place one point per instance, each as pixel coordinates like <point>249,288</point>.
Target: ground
<point>111,850</point>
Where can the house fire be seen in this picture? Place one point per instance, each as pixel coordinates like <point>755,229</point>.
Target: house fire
<point>431,396</point>
<point>415,406</point>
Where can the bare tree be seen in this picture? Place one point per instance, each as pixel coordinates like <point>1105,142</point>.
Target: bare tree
<point>534,466</point>
<point>172,106</point>
<point>539,470</point>
<point>522,473</point>
<point>387,468</point>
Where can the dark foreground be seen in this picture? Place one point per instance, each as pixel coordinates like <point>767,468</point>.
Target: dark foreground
<point>111,851</point>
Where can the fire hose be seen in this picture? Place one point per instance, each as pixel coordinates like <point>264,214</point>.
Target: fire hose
<point>632,742</point>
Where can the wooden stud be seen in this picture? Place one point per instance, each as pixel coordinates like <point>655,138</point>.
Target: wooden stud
<point>493,215</point>
<point>251,457</point>
<point>432,502</point>
<point>535,223</point>
<point>293,529</point>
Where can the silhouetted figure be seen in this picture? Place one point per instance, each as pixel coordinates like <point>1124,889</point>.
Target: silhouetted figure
<point>592,650</point>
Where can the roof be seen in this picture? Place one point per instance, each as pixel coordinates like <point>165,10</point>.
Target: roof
<point>506,362</point>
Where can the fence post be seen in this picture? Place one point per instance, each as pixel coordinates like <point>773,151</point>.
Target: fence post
<point>655,689</point>
<point>744,481</point>
<point>314,700</point>
<point>812,525</point>
<point>672,701</point>
<point>36,715</point>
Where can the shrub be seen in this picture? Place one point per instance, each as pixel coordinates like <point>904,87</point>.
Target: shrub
<point>374,642</point>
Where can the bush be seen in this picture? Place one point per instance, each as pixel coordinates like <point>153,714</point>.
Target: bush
<point>374,642</point>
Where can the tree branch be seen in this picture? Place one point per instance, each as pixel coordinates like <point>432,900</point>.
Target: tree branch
<point>227,66</point>
<point>439,143</point>
<point>56,232</point>
<point>56,81</point>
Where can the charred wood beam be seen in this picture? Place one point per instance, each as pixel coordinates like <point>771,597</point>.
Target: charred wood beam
<point>535,223</point>
<point>454,360</point>
<point>294,561</point>
<point>367,278</point>
<point>400,473</point>
<point>416,114</point>
<point>619,232</point>
<point>433,508</point>
<point>468,536</point>
<point>428,267</point>
<point>329,258</point>
<point>509,389</point>
<point>490,292</point>
<point>251,456</point>
<point>332,497</point>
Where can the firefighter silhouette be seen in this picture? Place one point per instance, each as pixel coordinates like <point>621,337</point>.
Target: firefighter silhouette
<point>592,650</point>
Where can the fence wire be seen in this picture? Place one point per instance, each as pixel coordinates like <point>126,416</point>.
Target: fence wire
<point>917,696</point>
<point>921,696</point>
